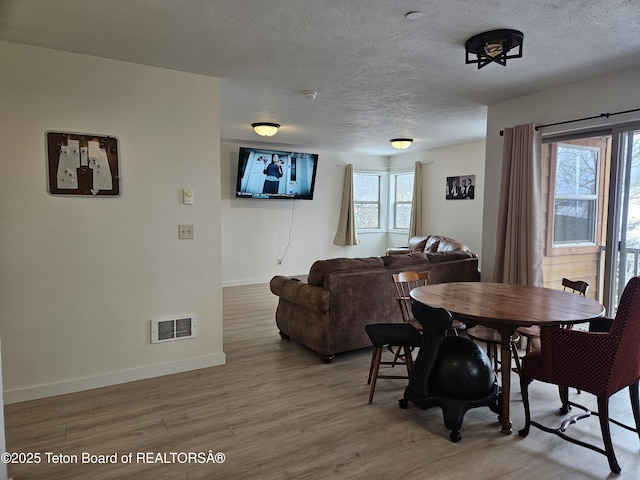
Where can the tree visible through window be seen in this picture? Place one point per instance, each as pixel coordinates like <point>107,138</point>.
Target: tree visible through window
<point>576,195</point>
<point>403,194</point>
<point>382,201</point>
<point>366,200</point>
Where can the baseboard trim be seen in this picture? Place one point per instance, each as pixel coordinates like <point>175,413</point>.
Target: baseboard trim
<point>113,378</point>
<point>241,283</point>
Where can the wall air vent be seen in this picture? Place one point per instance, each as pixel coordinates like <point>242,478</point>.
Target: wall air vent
<point>169,329</point>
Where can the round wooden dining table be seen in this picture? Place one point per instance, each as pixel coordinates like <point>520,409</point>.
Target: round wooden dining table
<point>506,307</point>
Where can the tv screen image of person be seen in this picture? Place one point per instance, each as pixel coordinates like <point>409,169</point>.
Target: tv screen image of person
<point>264,173</point>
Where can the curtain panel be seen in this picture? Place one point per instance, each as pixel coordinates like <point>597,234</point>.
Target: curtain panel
<point>415,226</point>
<point>346,234</point>
<point>518,238</point>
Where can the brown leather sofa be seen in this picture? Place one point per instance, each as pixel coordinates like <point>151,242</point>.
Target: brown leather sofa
<point>328,310</point>
<point>430,244</point>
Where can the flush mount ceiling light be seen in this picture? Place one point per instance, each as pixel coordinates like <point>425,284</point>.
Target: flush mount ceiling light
<point>413,15</point>
<point>401,143</point>
<point>494,46</point>
<point>265,129</point>
<point>310,95</point>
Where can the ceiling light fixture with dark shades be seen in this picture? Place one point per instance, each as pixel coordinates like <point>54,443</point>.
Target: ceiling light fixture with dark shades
<point>401,143</point>
<point>265,129</point>
<point>494,46</point>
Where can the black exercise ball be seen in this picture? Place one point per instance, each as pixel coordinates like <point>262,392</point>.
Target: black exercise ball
<point>461,370</point>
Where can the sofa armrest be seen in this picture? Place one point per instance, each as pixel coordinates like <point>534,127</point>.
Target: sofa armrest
<point>300,293</point>
<point>397,251</point>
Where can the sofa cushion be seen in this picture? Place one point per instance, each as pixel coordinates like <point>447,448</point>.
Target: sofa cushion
<point>439,257</point>
<point>437,243</point>
<point>322,267</point>
<point>450,245</point>
<point>403,261</point>
<point>417,244</point>
<point>431,245</point>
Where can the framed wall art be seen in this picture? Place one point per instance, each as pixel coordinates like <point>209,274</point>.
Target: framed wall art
<point>82,164</point>
<point>461,188</point>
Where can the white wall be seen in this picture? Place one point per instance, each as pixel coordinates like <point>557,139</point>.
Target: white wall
<point>80,278</point>
<point>255,233</point>
<point>606,94</point>
<point>459,219</point>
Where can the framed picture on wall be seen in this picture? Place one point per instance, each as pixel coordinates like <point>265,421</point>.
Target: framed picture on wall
<point>82,164</point>
<point>461,187</point>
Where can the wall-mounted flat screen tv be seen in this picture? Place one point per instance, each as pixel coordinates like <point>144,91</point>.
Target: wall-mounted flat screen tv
<point>264,173</point>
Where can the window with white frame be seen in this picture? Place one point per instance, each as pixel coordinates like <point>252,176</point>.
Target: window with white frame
<point>367,196</point>
<point>401,197</point>
<point>374,208</point>
<point>575,208</point>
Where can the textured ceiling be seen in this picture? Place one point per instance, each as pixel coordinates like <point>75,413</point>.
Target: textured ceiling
<point>378,74</point>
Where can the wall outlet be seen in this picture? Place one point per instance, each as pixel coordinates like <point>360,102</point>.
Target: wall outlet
<point>185,232</point>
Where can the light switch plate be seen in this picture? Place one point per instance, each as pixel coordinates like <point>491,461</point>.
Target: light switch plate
<point>187,196</point>
<point>185,232</point>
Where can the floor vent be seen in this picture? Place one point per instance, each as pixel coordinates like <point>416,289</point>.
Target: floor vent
<point>174,328</point>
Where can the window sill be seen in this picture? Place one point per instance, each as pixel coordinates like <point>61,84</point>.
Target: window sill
<point>572,250</point>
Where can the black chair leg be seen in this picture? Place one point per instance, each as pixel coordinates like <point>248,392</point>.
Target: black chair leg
<point>635,404</point>
<point>516,356</point>
<point>524,390</point>
<point>564,399</point>
<point>603,413</point>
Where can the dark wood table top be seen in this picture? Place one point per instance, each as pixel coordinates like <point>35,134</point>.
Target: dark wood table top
<point>516,305</point>
<point>506,307</point>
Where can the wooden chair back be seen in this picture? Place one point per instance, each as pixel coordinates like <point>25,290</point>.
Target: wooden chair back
<point>578,286</point>
<point>405,282</point>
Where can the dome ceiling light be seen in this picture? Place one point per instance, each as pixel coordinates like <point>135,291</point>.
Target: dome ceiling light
<point>265,129</point>
<point>494,46</point>
<point>401,143</point>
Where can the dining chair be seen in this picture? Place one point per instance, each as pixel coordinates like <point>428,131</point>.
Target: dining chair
<point>390,335</point>
<point>566,358</point>
<point>404,283</point>
<point>407,281</point>
<point>399,338</point>
<point>532,333</point>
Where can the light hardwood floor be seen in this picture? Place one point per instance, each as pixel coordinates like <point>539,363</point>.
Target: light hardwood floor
<point>277,412</point>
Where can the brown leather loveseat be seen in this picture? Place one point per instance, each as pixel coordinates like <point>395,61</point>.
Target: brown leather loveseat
<point>329,309</point>
<point>430,244</point>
